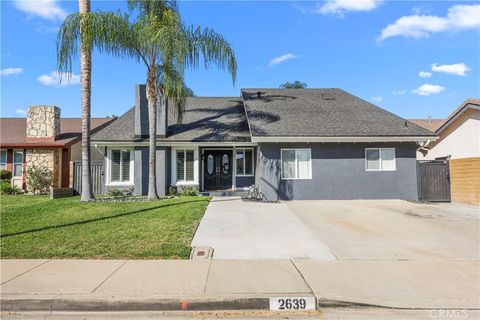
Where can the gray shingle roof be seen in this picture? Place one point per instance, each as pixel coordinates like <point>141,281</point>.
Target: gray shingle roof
<point>320,112</point>
<point>204,119</point>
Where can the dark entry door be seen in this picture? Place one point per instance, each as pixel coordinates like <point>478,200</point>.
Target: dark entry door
<point>217,169</point>
<point>434,180</point>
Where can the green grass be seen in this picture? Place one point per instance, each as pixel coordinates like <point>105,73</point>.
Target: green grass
<point>37,227</point>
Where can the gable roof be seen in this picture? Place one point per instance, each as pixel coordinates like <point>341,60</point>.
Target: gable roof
<point>430,124</point>
<point>321,113</point>
<point>13,132</point>
<point>204,119</point>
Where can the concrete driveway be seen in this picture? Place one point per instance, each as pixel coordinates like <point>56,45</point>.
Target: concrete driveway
<point>247,230</point>
<point>393,229</point>
<point>326,230</point>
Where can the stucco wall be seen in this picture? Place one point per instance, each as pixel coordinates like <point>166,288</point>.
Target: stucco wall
<point>338,172</point>
<point>460,140</point>
<point>141,170</point>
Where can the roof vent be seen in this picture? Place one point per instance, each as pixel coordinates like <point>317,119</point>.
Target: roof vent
<point>259,94</point>
<point>328,96</point>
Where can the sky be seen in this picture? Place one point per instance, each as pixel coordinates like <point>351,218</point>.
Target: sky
<point>415,59</point>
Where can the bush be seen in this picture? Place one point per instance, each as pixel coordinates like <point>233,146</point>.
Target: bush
<point>5,175</point>
<point>7,188</point>
<point>189,191</point>
<point>39,180</point>
<point>118,193</point>
<point>172,190</point>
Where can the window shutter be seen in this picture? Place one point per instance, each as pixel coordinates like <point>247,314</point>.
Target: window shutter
<point>125,165</point>
<point>115,165</point>
<point>189,166</point>
<point>180,165</point>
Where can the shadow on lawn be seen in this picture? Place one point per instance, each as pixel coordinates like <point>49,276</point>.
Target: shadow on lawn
<point>96,219</point>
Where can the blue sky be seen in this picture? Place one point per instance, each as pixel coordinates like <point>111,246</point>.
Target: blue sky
<point>415,59</point>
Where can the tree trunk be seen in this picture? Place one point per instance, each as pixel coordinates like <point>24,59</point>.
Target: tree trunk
<point>85,73</point>
<point>152,97</point>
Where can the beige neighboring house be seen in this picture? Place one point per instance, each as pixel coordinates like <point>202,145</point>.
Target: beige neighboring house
<point>459,141</point>
<point>44,139</point>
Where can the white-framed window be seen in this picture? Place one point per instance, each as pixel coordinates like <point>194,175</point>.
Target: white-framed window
<point>244,161</point>
<point>296,163</point>
<point>17,163</point>
<point>3,159</point>
<point>121,166</point>
<point>185,164</point>
<point>380,159</point>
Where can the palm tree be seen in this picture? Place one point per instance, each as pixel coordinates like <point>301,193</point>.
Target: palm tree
<point>157,38</point>
<point>293,85</point>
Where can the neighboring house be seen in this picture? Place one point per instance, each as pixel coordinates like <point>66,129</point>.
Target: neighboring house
<point>459,141</point>
<point>291,143</point>
<point>43,139</point>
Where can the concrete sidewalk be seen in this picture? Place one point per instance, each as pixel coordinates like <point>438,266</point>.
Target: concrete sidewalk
<point>134,285</point>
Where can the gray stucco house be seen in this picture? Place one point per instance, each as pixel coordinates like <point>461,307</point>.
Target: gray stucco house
<point>291,143</point>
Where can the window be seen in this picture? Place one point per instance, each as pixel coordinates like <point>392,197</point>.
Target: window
<point>185,161</point>
<point>17,163</point>
<point>120,166</point>
<point>380,159</point>
<point>296,164</point>
<point>244,162</point>
<point>3,159</point>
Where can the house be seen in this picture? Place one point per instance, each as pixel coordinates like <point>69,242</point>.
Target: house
<point>459,141</point>
<point>43,139</point>
<point>291,143</point>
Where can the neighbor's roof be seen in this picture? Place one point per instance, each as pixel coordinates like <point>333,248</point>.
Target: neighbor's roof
<point>204,119</point>
<point>430,124</point>
<point>320,113</point>
<point>13,132</point>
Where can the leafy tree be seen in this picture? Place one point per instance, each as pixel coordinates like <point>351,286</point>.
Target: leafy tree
<point>293,85</point>
<point>157,38</point>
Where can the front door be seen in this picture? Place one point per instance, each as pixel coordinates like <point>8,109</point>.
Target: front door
<point>217,169</point>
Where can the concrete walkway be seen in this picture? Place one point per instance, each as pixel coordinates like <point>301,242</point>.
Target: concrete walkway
<point>116,285</point>
<point>248,230</point>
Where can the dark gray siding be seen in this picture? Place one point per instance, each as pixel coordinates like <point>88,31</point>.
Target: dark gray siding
<point>141,170</point>
<point>244,182</point>
<point>338,172</point>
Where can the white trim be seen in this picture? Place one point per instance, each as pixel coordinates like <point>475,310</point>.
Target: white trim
<point>456,116</point>
<point>380,159</point>
<point>218,144</point>
<point>344,139</point>
<point>296,163</point>
<point>108,178</point>
<point>173,173</point>
<point>252,165</point>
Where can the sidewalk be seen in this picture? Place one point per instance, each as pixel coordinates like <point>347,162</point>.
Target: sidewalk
<point>133,285</point>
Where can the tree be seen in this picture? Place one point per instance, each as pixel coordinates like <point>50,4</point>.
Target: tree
<point>293,85</point>
<point>157,38</point>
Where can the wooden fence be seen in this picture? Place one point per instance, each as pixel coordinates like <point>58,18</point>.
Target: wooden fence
<point>465,180</point>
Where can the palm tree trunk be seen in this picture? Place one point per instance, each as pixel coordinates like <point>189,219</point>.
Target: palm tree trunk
<point>152,97</point>
<point>85,73</point>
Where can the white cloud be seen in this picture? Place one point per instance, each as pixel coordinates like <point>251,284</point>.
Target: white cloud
<point>459,17</point>
<point>428,89</point>
<point>377,99</point>
<point>10,71</point>
<point>460,69</point>
<point>46,9</point>
<point>399,92</point>
<point>53,79</point>
<point>282,58</point>
<point>339,7</point>
<point>20,112</point>
<point>424,74</point>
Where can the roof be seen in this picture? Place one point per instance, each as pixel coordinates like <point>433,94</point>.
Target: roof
<point>204,119</point>
<point>13,132</point>
<point>430,124</point>
<point>320,113</point>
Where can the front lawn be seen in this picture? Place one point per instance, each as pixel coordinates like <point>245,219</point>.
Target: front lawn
<point>37,227</point>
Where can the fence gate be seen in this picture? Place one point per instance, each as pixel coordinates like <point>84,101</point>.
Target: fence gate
<point>97,177</point>
<point>434,180</point>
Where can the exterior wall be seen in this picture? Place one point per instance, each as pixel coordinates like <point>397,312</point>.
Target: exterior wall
<point>47,158</point>
<point>76,153</point>
<point>460,140</point>
<point>141,170</point>
<point>338,172</point>
<point>465,180</point>
<point>43,122</point>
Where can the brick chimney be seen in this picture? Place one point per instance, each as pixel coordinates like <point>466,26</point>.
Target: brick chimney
<point>43,122</point>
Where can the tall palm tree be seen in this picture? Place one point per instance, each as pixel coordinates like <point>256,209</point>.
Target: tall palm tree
<point>157,38</point>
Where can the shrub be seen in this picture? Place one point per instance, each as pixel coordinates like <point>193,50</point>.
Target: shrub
<point>7,188</point>
<point>39,179</point>
<point>172,190</point>
<point>189,191</point>
<point>117,193</point>
<point>5,175</point>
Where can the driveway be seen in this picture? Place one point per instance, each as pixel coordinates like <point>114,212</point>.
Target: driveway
<point>247,230</point>
<point>326,230</point>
